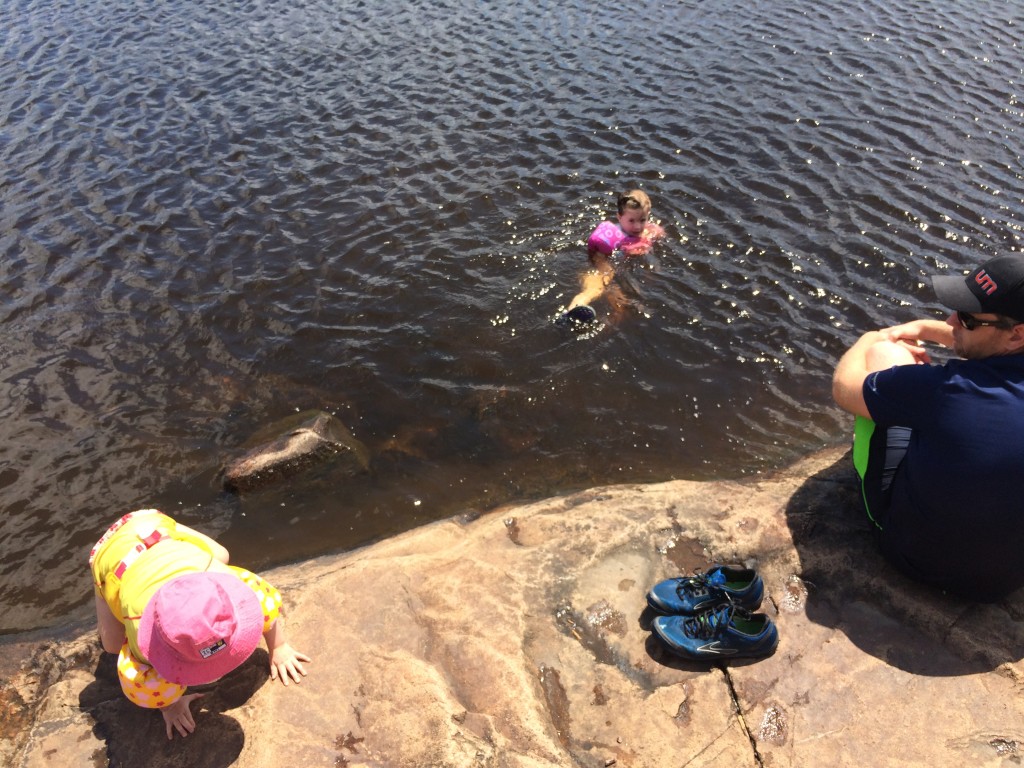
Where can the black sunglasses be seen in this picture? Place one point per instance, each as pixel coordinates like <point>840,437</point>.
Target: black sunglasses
<point>970,322</point>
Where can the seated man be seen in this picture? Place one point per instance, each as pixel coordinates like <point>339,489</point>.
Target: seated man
<point>940,449</point>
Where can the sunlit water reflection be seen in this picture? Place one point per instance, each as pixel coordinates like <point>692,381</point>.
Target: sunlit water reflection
<point>215,216</point>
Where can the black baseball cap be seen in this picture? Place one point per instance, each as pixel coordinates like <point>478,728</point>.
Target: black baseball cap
<point>996,287</point>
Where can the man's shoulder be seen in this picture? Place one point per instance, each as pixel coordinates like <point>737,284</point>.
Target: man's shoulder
<point>904,373</point>
<point>997,366</point>
<point>1006,364</point>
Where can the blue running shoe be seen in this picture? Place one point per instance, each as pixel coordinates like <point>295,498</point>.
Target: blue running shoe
<point>725,632</point>
<point>689,595</point>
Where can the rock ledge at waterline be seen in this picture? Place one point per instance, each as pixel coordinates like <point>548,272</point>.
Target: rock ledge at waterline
<point>519,639</point>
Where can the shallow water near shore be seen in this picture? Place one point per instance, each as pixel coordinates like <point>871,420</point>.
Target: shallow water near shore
<point>215,217</point>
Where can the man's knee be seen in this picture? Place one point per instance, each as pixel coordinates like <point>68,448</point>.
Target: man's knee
<point>885,354</point>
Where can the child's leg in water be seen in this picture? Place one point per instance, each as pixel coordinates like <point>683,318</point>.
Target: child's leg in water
<point>592,285</point>
<point>594,282</point>
<point>617,300</point>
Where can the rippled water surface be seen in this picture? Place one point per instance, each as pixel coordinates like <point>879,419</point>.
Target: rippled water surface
<point>214,215</point>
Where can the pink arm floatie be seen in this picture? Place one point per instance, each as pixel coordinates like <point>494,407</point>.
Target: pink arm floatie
<point>606,238</point>
<point>609,236</point>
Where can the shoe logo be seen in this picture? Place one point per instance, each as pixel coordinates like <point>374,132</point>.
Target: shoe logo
<point>716,648</point>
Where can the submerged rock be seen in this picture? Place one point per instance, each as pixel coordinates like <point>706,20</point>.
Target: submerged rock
<point>293,445</point>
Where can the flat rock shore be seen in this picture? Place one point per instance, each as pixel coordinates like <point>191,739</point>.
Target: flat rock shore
<point>520,638</point>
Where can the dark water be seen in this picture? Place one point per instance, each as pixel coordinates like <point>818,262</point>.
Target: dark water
<point>215,216</point>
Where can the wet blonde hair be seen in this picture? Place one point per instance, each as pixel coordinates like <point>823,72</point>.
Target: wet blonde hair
<point>635,199</point>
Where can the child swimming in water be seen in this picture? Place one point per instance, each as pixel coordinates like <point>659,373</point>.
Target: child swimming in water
<point>631,236</point>
<point>177,614</point>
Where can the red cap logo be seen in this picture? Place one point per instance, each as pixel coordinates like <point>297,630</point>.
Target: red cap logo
<point>987,284</point>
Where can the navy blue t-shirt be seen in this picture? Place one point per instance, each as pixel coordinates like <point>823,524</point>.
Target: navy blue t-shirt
<point>957,512</point>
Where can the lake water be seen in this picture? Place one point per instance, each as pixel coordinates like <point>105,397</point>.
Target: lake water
<point>214,215</point>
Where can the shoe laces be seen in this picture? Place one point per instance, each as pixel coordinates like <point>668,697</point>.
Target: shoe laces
<point>712,622</point>
<point>700,584</point>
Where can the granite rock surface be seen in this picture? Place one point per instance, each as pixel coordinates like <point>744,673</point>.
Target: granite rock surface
<point>520,638</point>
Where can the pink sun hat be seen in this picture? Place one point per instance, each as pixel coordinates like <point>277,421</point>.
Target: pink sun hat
<point>200,626</point>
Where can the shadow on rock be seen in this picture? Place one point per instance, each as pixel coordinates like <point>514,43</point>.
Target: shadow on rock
<point>849,586</point>
<point>136,738</point>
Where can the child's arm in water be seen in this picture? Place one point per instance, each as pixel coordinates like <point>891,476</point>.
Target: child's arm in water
<point>653,231</point>
<point>285,661</point>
